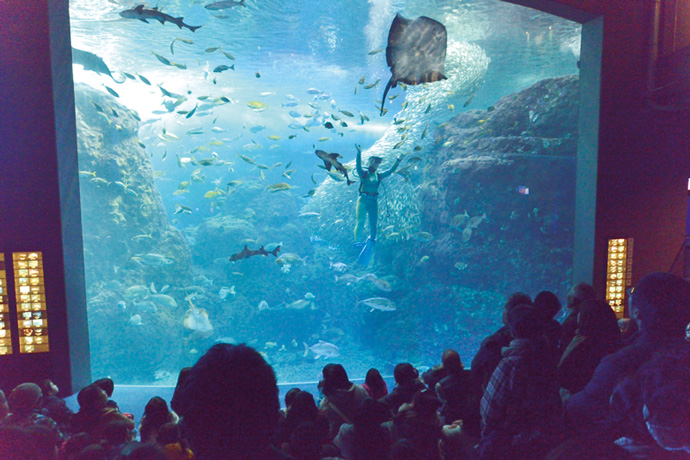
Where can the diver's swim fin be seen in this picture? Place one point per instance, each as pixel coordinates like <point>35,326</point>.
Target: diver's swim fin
<point>368,251</point>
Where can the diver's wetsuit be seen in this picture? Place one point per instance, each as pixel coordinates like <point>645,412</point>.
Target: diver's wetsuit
<point>368,194</point>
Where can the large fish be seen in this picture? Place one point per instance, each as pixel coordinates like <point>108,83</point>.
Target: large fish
<point>330,160</point>
<point>416,52</point>
<point>196,319</point>
<point>142,13</point>
<point>224,5</point>
<point>379,303</point>
<point>246,253</point>
<point>322,348</point>
<point>153,260</point>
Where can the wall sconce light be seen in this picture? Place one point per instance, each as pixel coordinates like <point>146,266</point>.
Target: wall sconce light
<point>618,273</point>
<point>31,302</point>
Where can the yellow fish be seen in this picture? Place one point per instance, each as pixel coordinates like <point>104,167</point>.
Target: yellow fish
<point>278,187</point>
<point>257,106</point>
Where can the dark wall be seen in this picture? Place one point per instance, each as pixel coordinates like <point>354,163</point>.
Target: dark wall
<point>642,166</point>
<point>38,180</point>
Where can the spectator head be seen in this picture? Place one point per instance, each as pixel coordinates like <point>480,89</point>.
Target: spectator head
<point>4,407</point>
<point>290,396</point>
<point>334,378</point>
<point>661,305</point>
<point>117,432</point>
<point>665,396</point>
<point>48,387</point>
<point>548,304</point>
<point>579,293</point>
<point>405,374</point>
<point>92,397</point>
<point>25,398</point>
<point>597,319</point>
<point>229,403</point>
<point>374,379</point>
<point>169,433</point>
<point>451,361</point>
<point>515,299</point>
<point>303,409</point>
<point>156,411</point>
<point>105,384</point>
<point>146,451</point>
<point>525,322</point>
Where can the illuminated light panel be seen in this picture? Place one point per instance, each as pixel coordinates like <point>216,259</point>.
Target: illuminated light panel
<point>31,302</point>
<point>5,329</point>
<point>618,273</point>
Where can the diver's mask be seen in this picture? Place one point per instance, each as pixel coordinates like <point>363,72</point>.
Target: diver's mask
<point>374,163</point>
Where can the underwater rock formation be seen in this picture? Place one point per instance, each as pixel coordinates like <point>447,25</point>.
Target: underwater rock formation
<point>129,245</point>
<point>123,214</point>
<point>502,185</point>
<point>486,208</point>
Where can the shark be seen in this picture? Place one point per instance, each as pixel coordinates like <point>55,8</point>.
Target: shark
<point>142,13</point>
<point>247,253</point>
<point>330,160</point>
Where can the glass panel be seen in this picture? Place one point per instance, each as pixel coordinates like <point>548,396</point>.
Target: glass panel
<point>220,190</point>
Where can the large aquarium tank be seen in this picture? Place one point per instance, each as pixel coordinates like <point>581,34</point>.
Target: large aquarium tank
<point>209,214</point>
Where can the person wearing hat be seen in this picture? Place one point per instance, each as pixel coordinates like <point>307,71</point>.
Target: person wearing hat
<point>25,411</point>
<point>367,204</point>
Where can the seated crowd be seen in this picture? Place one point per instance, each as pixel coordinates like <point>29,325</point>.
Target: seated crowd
<point>538,389</point>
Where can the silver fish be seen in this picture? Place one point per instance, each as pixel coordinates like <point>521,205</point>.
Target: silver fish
<point>322,348</point>
<point>379,303</point>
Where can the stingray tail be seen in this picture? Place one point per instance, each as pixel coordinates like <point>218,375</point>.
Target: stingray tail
<point>388,86</point>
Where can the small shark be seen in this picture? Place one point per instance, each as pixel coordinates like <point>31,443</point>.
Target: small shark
<point>247,253</point>
<point>142,13</point>
<point>330,160</point>
<point>222,5</point>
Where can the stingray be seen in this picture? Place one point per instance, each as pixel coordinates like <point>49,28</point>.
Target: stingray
<point>416,52</point>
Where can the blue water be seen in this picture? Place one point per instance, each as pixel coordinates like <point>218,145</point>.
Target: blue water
<point>306,57</point>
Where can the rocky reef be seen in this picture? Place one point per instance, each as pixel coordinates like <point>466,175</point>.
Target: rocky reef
<point>129,245</point>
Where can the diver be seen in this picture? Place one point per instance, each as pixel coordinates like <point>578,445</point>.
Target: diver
<point>368,195</point>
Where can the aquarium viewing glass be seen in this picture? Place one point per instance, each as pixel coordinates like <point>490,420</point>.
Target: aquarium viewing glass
<point>214,209</point>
